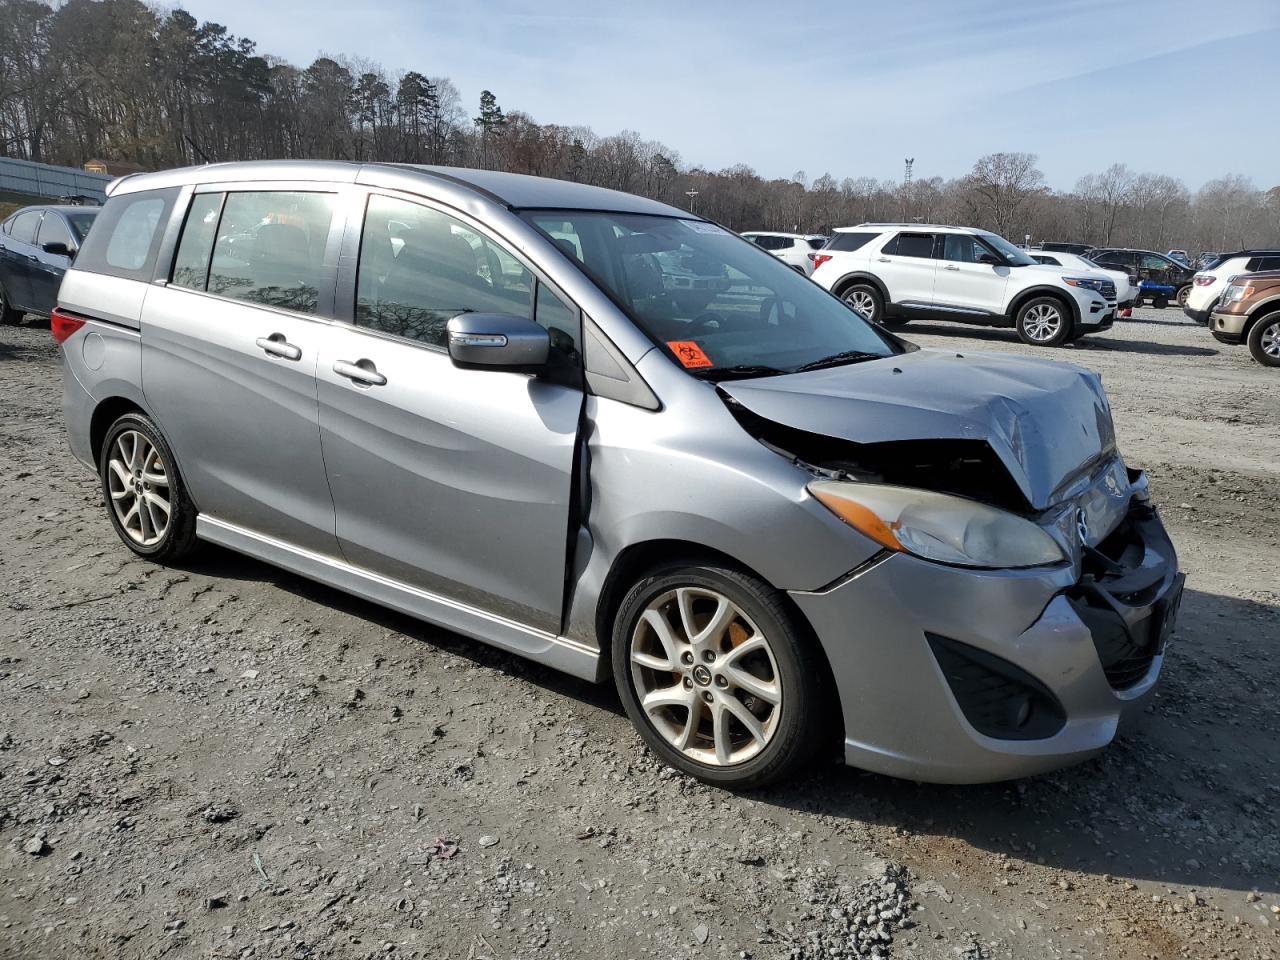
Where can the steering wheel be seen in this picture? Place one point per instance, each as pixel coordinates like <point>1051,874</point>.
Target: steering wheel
<point>708,321</point>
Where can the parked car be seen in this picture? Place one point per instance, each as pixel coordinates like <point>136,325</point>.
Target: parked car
<point>899,271</point>
<point>1180,256</point>
<point>1208,284</point>
<point>740,515</point>
<point>1161,278</point>
<point>1126,284</point>
<point>1207,260</point>
<point>36,246</point>
<point>1054,246</point>
<point>793,249</point>
<point>1249,312</point>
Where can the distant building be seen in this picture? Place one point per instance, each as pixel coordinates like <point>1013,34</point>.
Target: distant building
<point>114,168</point>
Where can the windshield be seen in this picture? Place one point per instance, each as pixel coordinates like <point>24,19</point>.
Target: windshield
<point>81,222</point>
<point>1015,255</point>
<point>721,306</point>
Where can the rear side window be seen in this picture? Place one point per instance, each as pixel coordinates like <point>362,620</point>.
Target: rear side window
<point>911,245</point>
<point>54,230</point>
<point>270,248</point>
<point>195,247</point>
<point>126,236</point>
<point>845,242</point>
<point>24,226</point>
<point>817,243</point>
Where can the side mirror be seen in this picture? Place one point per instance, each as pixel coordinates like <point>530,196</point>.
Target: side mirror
<point>58,249</point>
<point>988,259</point>
<point>498,341</point>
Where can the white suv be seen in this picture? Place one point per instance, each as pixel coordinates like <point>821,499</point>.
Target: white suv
<point>796,250</point>
<point>1208,284</point>
<point>902,271</point>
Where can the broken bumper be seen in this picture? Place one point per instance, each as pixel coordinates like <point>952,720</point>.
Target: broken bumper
<point>964,676</point>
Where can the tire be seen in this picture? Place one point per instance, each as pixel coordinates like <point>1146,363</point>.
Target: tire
<point>717,681</point>
<point>1264,340</point>
<point>127,468</point>
<point>9,317</point>
<point>1160,303</point>
<point>864,300</point>
<point>1183,293</point>
<point>1044,322</point>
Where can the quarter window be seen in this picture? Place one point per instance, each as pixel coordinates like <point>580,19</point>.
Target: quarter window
<point>126,235</point>
<point>419,268</point>
<point>270,249</point>
<point>24,226</point>
<point>846,241</point>
<point>1269,263</point>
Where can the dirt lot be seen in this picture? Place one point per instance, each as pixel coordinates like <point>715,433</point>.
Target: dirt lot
<point>227,761</point>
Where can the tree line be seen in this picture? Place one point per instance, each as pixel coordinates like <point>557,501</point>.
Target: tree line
<point>118,80</point>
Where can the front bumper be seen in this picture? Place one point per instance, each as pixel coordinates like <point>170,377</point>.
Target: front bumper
<point>1200,316</point>
<point>923,654</point>
<point>1227,327</point>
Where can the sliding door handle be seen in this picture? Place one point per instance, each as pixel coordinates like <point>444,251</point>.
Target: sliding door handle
<point>362,371</point>
<point>278,346</point>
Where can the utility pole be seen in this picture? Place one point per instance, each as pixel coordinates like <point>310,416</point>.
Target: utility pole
<point>906,185</point>
<point>693,200</point>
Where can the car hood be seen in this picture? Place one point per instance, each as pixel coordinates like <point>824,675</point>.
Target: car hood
<point>1092,273</point>
<point>1048,422</point>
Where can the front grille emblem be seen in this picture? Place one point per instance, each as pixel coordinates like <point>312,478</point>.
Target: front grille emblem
<point>1082,527</point>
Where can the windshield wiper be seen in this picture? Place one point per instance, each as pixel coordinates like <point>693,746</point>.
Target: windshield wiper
<point>739,372</point>
<point>837,359</point>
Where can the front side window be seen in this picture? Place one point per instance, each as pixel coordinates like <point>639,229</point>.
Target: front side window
<point>419,268</point>
<point>962,248</point>
<point>1012,254</point>
<point>1152,262</point>
<point>721,307</point>
<point>25,225</point>
<point>270,247</point>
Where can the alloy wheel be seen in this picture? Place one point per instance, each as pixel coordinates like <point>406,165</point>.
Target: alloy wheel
<point>1042,322</point>
<point>706,676</point>
<point>1270,341</point>
<point>863,304</point>
<point>138,484</point>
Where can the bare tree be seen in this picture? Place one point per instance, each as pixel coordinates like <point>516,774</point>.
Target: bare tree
<point>999,187</point>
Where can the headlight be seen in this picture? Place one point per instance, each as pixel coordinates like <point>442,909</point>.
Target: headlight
<point>1088,283</point>
<point>938,527</point>
<point>1236,292</point>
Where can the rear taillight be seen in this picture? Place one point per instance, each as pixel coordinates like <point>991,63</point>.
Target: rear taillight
<point>1202,280</point>
<point>819,259</point>
<point>63,325</point>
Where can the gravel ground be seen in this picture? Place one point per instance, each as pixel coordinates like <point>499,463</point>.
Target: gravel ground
<point>224,760</point>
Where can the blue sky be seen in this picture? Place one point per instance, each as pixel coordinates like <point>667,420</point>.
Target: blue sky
<point>846,87</point>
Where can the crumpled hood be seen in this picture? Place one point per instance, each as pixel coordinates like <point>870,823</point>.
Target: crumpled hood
<point>1047,421</point>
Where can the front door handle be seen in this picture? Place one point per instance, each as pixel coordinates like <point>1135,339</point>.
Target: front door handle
<point>951,266</point>
<point>884,259</point>
<point>278,346</point>
<point>362,371</point>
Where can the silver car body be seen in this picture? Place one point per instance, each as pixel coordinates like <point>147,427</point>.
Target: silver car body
<point>514,510</point>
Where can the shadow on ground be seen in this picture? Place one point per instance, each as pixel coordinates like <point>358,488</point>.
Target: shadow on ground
<point>1182,796</point>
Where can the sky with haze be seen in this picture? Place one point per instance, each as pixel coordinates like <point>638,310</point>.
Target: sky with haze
<point>1183,87</point>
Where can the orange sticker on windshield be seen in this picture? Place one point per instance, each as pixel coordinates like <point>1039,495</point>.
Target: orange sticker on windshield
<point>689,354</point>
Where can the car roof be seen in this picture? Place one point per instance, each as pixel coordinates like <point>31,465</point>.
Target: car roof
<point>912,226</point>
<point>783,233</point>
<point>513,190</point>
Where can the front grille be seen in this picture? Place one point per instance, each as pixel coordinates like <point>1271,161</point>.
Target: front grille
<point>997,698</point>
<point>1108,289</point>
<point>1118,598</point>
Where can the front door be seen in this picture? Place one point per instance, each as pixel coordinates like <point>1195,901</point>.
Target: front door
<point>18,258</point>
<point>229,350</point>
<point>455,481</point>
<point>964,282</point>
<point>906,267</point>
<point>49,268</point>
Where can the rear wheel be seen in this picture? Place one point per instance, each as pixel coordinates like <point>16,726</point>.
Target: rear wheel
<point>8,315</point>
<point>865,301</point>
<point>1044,322</point>
<point>717,677</point>
<point>1264,340</point>
<point>146,498</point>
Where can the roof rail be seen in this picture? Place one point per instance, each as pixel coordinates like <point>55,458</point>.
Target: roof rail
<point>946,226</point>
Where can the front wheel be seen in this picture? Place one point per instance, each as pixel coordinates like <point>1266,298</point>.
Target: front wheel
<point>1264,340</point>
<point>146,498</point>
<point>865,300</point>
<point>1044,322</point>
<point>717,677</point>
<point>8,315</point>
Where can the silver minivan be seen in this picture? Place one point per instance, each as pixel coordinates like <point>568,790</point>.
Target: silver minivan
<point>602,433</point>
